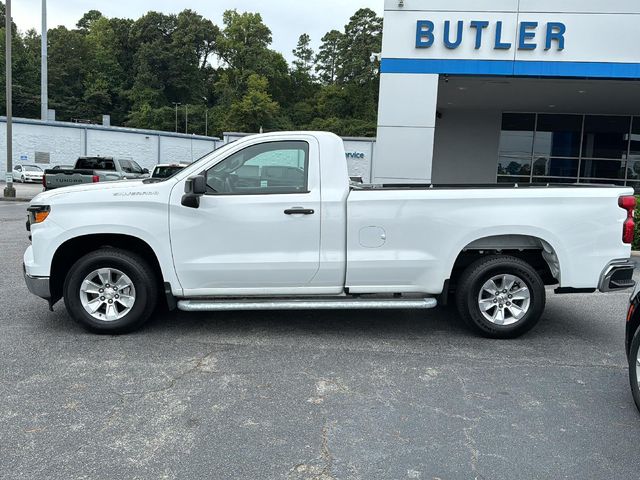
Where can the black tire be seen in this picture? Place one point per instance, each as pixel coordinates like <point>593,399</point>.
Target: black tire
<point>479,272</point>
<point>136,268</point>
<point>633,374</point>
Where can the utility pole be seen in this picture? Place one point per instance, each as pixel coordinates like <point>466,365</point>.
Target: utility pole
<point>176,105</point>
<point>206,116</point>
<point>9,191</point>
<point>186,117</point>
<point>44,95</point>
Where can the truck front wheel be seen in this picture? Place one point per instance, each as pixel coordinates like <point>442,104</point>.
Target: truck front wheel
<point>110,291</point>
<point>500,296</point>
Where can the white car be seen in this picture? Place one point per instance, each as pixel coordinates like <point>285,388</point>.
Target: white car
<point>27,173</point>
<point>273,222</point>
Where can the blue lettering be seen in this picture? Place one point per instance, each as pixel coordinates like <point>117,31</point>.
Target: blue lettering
<point>525,35</point>
<point>555,31</point>
<point>499,45</point>
<point>479,26</point>
<point>447,42</point>
<point>424,34</point>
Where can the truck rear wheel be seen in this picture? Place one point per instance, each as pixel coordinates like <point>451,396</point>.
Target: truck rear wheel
<point>110,291</point>
<point>500,296</point>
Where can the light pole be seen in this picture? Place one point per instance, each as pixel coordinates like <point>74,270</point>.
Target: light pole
<point>44,95</point>
<point>186,117</point>
<point>206,116</point>
<point>176,105</point>
<point>9,191</point>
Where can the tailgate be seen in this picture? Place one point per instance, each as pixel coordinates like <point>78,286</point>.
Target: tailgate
<point>66,178</point>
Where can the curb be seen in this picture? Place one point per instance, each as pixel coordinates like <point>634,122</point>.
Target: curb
<point>15,199</point>
<point>635,253</point>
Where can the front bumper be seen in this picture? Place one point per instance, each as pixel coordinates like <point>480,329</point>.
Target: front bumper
<point>618,275</point>
<point>38,285</point>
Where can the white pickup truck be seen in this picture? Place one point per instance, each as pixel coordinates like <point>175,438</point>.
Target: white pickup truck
<point>272,222</point>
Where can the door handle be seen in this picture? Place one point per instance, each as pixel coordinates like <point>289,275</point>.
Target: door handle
<point>299,211</point>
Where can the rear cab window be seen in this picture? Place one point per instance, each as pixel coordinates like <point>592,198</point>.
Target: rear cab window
<point>95,164</point>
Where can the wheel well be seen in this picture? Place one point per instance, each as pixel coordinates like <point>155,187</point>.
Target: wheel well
<point>72,250</point>
<point>536,252</point>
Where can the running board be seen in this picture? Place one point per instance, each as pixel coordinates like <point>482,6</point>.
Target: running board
<point>288,304</point>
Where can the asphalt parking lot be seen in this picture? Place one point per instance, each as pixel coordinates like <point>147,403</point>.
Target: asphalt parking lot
<point>310,395</point>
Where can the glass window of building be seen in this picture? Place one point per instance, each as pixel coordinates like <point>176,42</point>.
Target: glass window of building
<point>606,136</point>
<point>516,139</point>
<point>558,136</point>
<point>569,148</point>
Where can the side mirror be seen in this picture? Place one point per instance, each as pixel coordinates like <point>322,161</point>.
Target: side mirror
<point>145,171</point>
<point>194,188</point>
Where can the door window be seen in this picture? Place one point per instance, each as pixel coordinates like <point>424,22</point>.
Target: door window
<point>266,168</point>
<point>135,168</point>
<point>127,166</point>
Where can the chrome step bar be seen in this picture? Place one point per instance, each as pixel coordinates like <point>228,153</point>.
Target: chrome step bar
<point>213,305</point>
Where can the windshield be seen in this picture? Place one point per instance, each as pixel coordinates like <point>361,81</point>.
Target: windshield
<point>166,172</point>
<point>32,168</point>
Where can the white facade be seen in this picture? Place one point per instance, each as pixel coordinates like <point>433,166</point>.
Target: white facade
<point>442,96</point>
<point>65,142</point>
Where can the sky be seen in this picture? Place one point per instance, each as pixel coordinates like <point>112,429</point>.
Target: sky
<point>287,19</point>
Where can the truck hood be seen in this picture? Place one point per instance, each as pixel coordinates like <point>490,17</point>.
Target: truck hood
<point>46,197</point>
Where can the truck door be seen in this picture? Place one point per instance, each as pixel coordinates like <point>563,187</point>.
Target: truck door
<point>257,230</point>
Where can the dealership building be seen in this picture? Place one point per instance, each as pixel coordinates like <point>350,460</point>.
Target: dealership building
<point>479,91</point>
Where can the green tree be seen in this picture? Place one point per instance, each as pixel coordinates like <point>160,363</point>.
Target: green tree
<point>26,72</point>
<point>196,35</point>
<point>362,37</point>
<point>243,48</point>
<point>328,57</point>
<point>303,63</point>
<point>69,59</point>
<point>105,76</point>
<point>256,109</point>
<point>87,20</point>
<point>26,75</point>
<point>243,41</point>
<point>135,70</point>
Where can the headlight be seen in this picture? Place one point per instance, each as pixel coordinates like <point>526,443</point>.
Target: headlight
<point>38,213</point>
